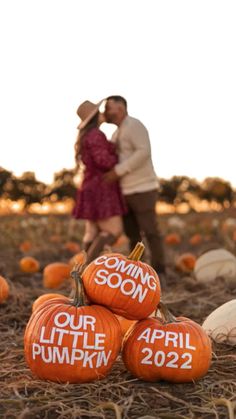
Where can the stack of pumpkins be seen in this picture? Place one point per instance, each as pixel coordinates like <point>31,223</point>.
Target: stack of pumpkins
<point>76,341</point>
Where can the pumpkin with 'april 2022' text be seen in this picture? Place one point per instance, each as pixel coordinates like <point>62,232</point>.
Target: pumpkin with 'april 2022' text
<point>173,349</point>
<point>125,285</point>
<point>68,341</point>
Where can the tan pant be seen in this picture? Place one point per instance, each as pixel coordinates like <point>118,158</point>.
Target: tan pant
<point>142,220</point>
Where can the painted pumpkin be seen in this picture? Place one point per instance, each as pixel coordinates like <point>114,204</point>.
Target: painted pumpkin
<point>167,348</point>
<point>55,274</point>
<point>4,289</point>
<point>68,341</point>
<point>185,262</point>
<point>29,264</point>
<point>125,285</point>
<point>45,297</point>
<point>220,325</point>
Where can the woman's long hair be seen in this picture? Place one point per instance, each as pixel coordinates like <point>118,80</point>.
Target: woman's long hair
<point>93,123</point>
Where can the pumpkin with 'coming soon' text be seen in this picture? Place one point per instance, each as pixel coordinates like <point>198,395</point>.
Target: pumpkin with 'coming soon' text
<point>126,286</point>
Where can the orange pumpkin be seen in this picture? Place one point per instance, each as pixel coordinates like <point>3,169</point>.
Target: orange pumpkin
<point>68,341</point>
<point>55,238</point>
<point>4,289</point>
<point>121,241</point>
<point>29,264</point>
<point>79,258</point>
<point>195,239</point>
<point>185,262</point>
<point>125,324</point>
<point>55,274</point>
<point>45,297</point>
<point>172,239</point>
<point>126,286</point>
<point>25,246</point>
<point>73,247</point>
<point>234,235</point>
<point>167,348</point>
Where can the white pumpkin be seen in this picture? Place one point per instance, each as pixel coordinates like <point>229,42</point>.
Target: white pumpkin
<point>215,263</point>
<point>221,323</point>
<point>229,224</point>
<point>176,222</point>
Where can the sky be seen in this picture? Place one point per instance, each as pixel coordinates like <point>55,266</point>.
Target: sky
<point>173,60</point>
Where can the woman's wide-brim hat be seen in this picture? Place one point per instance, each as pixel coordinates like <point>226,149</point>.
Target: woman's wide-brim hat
<point>86,111</point>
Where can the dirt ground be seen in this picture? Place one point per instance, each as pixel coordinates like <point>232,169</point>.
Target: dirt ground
<point>119,395</point>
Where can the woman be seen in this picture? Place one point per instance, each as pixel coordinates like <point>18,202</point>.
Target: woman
<point>98,202</point>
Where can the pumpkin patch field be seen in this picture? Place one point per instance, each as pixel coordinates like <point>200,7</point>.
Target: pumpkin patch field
<point>143,347</point>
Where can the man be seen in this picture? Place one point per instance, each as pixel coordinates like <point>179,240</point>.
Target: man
<point>137,179</point>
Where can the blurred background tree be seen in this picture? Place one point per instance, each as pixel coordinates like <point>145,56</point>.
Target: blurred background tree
<point>25,187</point>
<point>63,186</point>
<point>178,189</point>
<point>218,190</point>
<point>5,176</point>
<point>174,191</point>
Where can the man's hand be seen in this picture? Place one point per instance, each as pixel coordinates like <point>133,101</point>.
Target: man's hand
<point>110,176</point>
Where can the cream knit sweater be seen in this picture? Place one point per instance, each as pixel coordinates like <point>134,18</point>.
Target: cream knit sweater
<point>135,166</point>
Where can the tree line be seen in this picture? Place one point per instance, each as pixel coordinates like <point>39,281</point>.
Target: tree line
<point>173,191</point>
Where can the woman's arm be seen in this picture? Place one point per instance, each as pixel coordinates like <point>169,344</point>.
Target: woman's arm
<point>101,151</point>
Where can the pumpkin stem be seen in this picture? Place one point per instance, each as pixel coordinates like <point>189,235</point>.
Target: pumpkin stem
<point>137,251</point>
<point>167,316</point>
<point>79,297</point>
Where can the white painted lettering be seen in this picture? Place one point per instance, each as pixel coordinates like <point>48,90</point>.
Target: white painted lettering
<point>145,335</point>
<point>140,293</point>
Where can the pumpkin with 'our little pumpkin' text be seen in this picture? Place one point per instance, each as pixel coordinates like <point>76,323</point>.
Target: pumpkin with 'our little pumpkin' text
<point>69,341</point>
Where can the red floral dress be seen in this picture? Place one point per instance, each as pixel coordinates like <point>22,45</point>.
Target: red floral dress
<point>97,199</point>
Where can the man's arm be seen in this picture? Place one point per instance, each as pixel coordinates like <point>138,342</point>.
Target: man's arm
<point>142,150</point>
